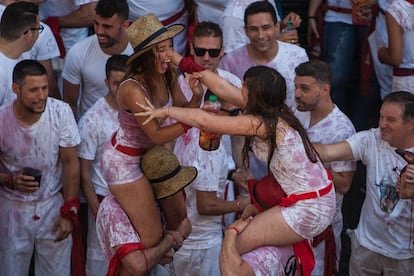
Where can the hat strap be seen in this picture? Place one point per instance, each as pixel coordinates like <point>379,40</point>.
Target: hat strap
<point>148,39</point>
<point>166,177</point>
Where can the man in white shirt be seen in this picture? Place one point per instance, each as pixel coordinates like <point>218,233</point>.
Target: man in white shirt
<point>84,71</point>
<point>325,123</point>
<point>383,243</point>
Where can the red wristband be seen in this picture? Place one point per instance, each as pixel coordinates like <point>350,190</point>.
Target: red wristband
<point>172,235</point>
<point>234,228</point>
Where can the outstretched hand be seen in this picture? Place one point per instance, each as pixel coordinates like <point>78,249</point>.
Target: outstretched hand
<point>151,111</point>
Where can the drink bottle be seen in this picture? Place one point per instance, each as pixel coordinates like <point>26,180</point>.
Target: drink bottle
<point>207,140</point>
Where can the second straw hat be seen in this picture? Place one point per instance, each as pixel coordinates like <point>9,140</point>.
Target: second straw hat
<point>147,31</point>
<point>164,172</point>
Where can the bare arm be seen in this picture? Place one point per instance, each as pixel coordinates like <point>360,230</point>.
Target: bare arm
<point>394,53</point>
<point>231,262</point>
<point>210,205</point>
<point>70,171</point>
<point>222,88</point>
<point>312,11</point>
<point>138,264</point>
<point>334,152</point>
<point>342,181</point>
<point>248,125</point>
<point>51,79</point>
<point>131,93</point>
<point>82,17</point>
<point>88,188</point>
<point>71,94</point>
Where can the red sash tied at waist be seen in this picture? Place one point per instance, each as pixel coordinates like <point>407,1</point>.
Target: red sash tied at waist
<point>403,72</point>
<point>125,149</point>
<point>293,198</point>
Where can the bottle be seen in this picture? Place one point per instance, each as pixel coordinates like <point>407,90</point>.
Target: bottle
<point>207,140</point>
<point>289,28</point>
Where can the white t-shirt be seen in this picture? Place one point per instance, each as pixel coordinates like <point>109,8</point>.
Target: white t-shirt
<point>288,57</point>
<point>389,232</point>
<point>212,169</point>
<point>96,128</point>
<point>163,9</point>
<point>6,77</point>
<point>211,10</point>
<point>61,8</point>
<point>334,128</point>
<point>403,13</point>
<point>45,46</point>
<point>333,16</point>
<point>234,35</point>
<point>37,146</point>
<point>85,65</point>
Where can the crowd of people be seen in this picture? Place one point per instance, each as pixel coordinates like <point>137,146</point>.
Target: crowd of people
<point>102,103</point>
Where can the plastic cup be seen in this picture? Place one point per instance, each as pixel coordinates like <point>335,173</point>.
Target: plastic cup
<point>37,174</point>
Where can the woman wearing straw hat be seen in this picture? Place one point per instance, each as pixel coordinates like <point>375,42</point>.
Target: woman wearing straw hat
<point>150,75</point>
<point>276,136</point>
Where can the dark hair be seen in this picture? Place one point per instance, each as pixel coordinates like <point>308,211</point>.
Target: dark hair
<point>108,8</point>
<point>266,99</point>
<point>259,7</point>
<point>27,67</point>
<point>144,69</point>
<point>317,69</point>
<point>17,18</point>
<point>405,100</point>
<point>208,29</point>
<point>116,63</point>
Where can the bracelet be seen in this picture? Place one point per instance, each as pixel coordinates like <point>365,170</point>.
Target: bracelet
<point>95,213</point>
<point>8,182</point>
<point>311,17</point>
<point>185,127</point>
<point>233,228</point>
<point>172,235</point>
<point>146,261</point>
<point>238,206</point>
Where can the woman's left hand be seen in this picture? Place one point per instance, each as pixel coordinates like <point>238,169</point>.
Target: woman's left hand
<point>196,86</point>
<point>240,225</point>
<point>151,111</point>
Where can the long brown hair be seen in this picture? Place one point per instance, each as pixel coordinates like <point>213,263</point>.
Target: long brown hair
<point>143,68</point>
<point>266,97</point>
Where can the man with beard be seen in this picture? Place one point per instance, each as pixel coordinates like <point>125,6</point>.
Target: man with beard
<point>84,70</point>
<point>383,242</point>
<point>325,123</point>
<point>37,215</point>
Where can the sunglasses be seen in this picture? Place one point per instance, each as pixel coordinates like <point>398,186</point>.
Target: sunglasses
<point>202,51</point>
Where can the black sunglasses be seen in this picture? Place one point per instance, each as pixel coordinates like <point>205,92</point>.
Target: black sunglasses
<point>40,29</point>
<point>202,51</point>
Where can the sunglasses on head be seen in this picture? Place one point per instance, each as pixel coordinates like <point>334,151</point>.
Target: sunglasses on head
<point>202,51</point>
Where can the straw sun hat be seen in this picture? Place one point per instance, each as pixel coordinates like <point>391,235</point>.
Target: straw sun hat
<point>164,172</point>
<point>147,31</point>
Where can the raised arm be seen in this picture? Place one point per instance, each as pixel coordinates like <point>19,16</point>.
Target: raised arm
<point>334,152</point>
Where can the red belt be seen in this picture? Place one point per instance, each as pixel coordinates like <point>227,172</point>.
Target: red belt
<point>403,72</point>
<point>293,198</point>
<point>173,18</point>
<point>127,150</point>
<point>339,9</point>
